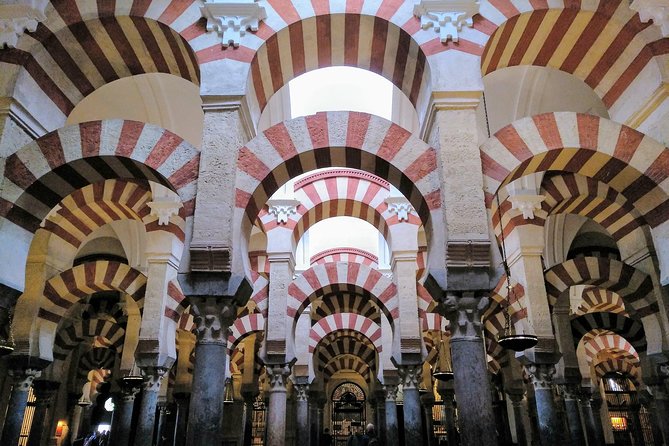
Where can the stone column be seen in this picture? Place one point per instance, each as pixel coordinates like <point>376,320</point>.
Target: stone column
<point>392,433</point>
<point>410,376</point>
<point>570,396</point>
<point>44,392</point>
<point>517,399</point>
<point>427,400</point>
<point>648,402</point>
<point>550,429</point>
<point>22,380</point>
<point>86,413</point>
<point>380,413</point>
<point>181,400</point>
<point>249,399</point>
<point>447,396</point>
<point>661,400</point>
<point>77,426</point>
<point>314,425</point>
<point>321,414</point>
<point>146,421</point>
<point>276,410</point>
<point>123,409</point>
<point>163,412</point>
<point>472,383</point>
<point>596,404</point>
<point>205,420</point>
<point>302,414</point>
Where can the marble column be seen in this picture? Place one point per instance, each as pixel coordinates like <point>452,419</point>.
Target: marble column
<point>146,420</point>
<point>392,433</point>
<point>517,399</point>
<point>661,403</point>
<point>447,396</point>
<point>276,410</point>
<point>71,408</point>
<point>314,427</point>
<point>427,401</point>
<point>410,376</point>
<point>470,368</point>
<point>123,409</point>
<point>22,380</point>
<point>550,429</point>
<point>380,414</point>
<point>570,397</point>
<point>596,404</point>
<point>181,400</point>
<point>205,420</point>
<point>249,399</point>
<point>77,425</point>
<point>302,414</point>
<point>44,392</point>
<point>163,412</point>
<point>322,422</point>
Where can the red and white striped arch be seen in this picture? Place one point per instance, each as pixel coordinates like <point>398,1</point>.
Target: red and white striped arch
<point>348,255</point>
<point>336,139</point>
<point>345,321</point>
<point>347,362</point>
<point>594,343</point>
<point>599,300</point>
<point>319,279</point>
<point>101,331</point>
<point>628,161</point>
<point>633,285</point>
<point>620,364</point>
<point>42,173</point>
<point>345,342</point>
<point>244,326</point>
<point>603,43</point>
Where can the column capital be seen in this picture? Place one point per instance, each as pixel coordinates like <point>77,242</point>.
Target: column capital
<point>410,375</point>
<point>153,376</point>
<point>541,375</point>
<point>277,375</point>
<point>464,311</point>
<point>212,318</point>
<point>390,391</point>
<point>44,391</point>
<point>301,392</point>
<point>23,377</point>
<point>569,391</point>
<point>516,396</point>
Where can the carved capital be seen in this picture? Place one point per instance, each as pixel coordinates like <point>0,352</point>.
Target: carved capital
<point>655,10</point>
<point>400,206</point>
<point>128,393</point>
<point>390,391</point>
<point>17,17</point>
<point>23,378</point>
<point>516,397</point>
<point>231,19</point>
<point>282,208</point>
<point>464,313</point>
<point>541,375</point>
<point>277,375</point>
<point>153,376</point>
<point>164,210</point>
<point>410,375</point>
<point>569,391</point>
<point>527,204</point>
<point>212,317</point>
<point>301,392</point>
<point>446,17</point>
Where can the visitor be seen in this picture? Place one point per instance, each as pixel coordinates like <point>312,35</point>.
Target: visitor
<point>357,438</point>
<point>371,435</point>
<point>326,438</point>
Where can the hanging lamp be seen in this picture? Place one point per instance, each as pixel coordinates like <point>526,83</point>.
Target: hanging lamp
<point>132,379</point>
<point>510,340</point>
<point>442,370</point>
<point>7,343</point>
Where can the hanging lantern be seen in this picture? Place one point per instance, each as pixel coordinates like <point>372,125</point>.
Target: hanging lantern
<point>442,370</point>
<point>510,340</point>
<point>132,379</point>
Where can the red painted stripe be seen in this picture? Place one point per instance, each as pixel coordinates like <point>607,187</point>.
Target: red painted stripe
<point>174,10</point>
<point>52,149</point>
<point>139,7</point>
<point>527,37</point>
<point>351,37</point>
<point>379,38</point>
<point>388,8</point>
<point>90,45</point>
<point>554,38</point>
<point>588,131</point>
<point>403,47</point>
<point>217,52</point>
<point>393,142</point>
<point>90,138</point>
<point>106,8</point>
<point>162,150</point>
<point>358,123</point>
<point>122,45</point>
<point>506,29</point>
<point>320,7</point>
<point>588,36</point>
<point>186,174</point>
<point>317,126</point>
<point>508,136</point>
<point>324,41</point>
<point>286,10</point>
<point>548,130</point>
<point>280,139</point>
<point>67,11</point>
<point>424,165</point>
<point>417,78</point>
<point>659,169</point>
<point>171,38</point>
<point>628,76</point>
<point>257,83</point>
<point>539,4</point>
<point>628,141</point>
<point>47,85</point>
<point>434,46</point>
<point>297,48</point>
<point>151,43</point>
<point>274,61</point>
<point>484,25</point>
<point>130,133</point>
<point>248,162</point>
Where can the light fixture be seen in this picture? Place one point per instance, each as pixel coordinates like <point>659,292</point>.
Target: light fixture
<point>510,340</point>
<point>442,369</point>
<point>132,379</point>
<point>7,341</point>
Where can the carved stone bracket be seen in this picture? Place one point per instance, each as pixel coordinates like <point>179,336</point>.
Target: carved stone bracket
<point>282,208</point>
<point>410,375</point>
<point>16,17</point>
<point>231,19</point>
<point>527,204</point>
<point>277,375</point>
<point>541,375</point>
<point>446,16</point>
<point>655,10</point>
<point>399,206</point>
<point>164,210</point>
<point>212,317</point>
<point>464,313</point>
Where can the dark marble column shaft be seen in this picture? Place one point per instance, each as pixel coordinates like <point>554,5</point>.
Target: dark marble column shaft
<point>447,396</point>
<point>548,419</point>
<point>302,419</point>
<point>276,410</point>
<point>596,405</point>
<point>411,376</point>
<point>661,400</point>
<point>182,400</point>
<point>146,420</point>
<point>249,399</point>
<point>427,401</point>
<point>44,392</point>
<point>163,412</point>
<point>392,433</point>
<point>122,420</point>
<point>22,380</point>
<point>570,397</point>
<point>314,433</point>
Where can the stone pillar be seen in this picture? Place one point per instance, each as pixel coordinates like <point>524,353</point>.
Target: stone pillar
<point>380,401</point>
<point>427,399</point>
<point>648,401</point>
<point>205,420</point>
<point>22,380</point>
<point>146,421</point>
<point>163,412</point>
<point>596,404</point>
<point>570,396</point>
<point>392,433</point>
<point>85,423</point>
<point>302,414</point>
<point>447,396</point>
<point>44,392</point>
<point>410,376</point>
<point>77,425</point>
<point>276,410</point>
<point>517,399</point>
<point>550,429</point>
<point>181,400</point>
<point>249,399</point>
<point>322,400</point>
<point>661,400</point>
<point>123,409</point>
<point>472,383</point>
<point>314,425</point>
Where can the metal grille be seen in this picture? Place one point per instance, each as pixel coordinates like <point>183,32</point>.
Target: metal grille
<point>27,419</point>
<point>630,421</point>
<point>258,423</point>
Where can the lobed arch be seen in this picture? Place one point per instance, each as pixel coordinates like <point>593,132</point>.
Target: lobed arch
<point>331,278</point>
<point>629,329</point>
<point>65,290</point>
<point>349,139</point>
<point>628,161</point>
<point>602,43</point>
<point>345,321</point>
<point>104,332</point>
<point>44,172</point>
